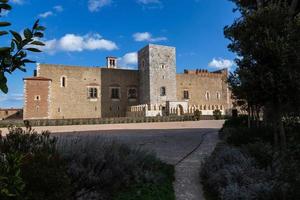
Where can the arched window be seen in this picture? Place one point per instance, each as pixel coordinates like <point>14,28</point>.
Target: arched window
<point>207,96</point>
<point>218,95</point>
<point>163,91</point>
<point>63,81</point>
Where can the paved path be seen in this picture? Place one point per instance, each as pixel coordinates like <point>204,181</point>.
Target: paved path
<point>183,144</point>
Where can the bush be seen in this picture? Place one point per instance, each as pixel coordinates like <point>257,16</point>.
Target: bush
<point>11,183</point>
<point>230,173</point>
<point>41,168</point>
<point>197,114</point>
<point>102,169</point>
<point>217,114</point>
<point>243,135</point>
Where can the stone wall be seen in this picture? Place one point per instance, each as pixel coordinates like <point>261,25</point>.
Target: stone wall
<point>124,80</point>
<point>36,98</point>
<point>11,113</point>
<point>72,100</point>
<point>157,66</point>
<point>203,82</point>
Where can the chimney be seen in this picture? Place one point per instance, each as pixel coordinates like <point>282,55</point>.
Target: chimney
<point>111,62</point>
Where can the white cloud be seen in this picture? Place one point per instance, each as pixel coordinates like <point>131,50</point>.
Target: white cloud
<point>46,14</point>
<point>221,63</point>
<point>146,36</point>
<point>58,8</point>
<point>96,5</point>
<point>77,43</point>
<point>129,59</point>
<point>17,1</point>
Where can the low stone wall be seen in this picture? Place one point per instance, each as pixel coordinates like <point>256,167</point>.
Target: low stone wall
<point>64,122</point>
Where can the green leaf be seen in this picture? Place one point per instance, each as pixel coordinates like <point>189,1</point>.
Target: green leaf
<point>3,33</point>
<point>36,24</point>
<point>16,35</point>
<point>12,46</point>
<point>40,28</point>
<point>27,33</point>
<point>38,43</point>
<point>3,81</point>
<point>5,6</point>
<point>33,50</point>
<point>39,34</point>
<point>5,24</point>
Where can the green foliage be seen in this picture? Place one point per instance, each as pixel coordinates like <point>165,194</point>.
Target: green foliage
<point>197,114</point>
<point>39,166</point>
<point>14,56</point>
<point>101,169</point>
<point>11,183</point>
<point>162,190</point>
<point>217,114</point>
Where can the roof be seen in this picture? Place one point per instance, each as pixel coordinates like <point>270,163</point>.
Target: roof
<point>38,78</point>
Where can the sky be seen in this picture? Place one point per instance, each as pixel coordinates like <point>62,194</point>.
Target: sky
<point>84,32</point>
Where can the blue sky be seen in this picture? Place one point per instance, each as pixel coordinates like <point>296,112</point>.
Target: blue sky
<point>84,32</point>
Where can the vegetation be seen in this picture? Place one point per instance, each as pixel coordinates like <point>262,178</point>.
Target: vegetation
<point>246,166</point>
<point>217,114</point>
<point>197,115</point>
<point>266,39</point>
<point>13,56</point>
<point>38,166</point>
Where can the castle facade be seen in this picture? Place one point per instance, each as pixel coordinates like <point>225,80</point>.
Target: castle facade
<point>58,91</point>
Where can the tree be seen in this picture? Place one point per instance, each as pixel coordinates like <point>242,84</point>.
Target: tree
<point>13,57</point>
<point>266,40</point>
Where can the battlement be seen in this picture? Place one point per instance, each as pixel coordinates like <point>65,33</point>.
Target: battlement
<point>205,72</point>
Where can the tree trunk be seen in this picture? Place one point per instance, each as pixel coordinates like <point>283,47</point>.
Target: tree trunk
<point>249,113</point>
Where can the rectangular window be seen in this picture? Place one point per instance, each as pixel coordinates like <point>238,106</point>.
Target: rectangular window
<point>163,91</point>
<point>93,93</point>
<point>132,93</point>
<point>186,94</point>
<point>115,93</point>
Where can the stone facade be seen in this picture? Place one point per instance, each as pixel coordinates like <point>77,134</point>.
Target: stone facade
<point>157,66</point>
<point>11,113</point>
<point>68,92</point>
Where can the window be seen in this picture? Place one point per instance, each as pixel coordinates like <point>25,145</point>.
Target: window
<point>93,93</point>
<point>218,96</point>
<point>63,81</point>
<point>163,91</point>
<point>58,110</point>
<point>163,66</point>
<point>6,112</point>
<point>132,93</point>
<point>207,96</point>
<point>115,93</point>
<point>186,94</point>
<point>37,97</point>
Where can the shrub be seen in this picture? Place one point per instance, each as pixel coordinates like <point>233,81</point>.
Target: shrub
<point>243,135</point>
<point>217,114</point>
<point>101,169</point>
<point>41,168</point>
<point>230,173</point>
<point>197,114</point>
<point>11,183</point>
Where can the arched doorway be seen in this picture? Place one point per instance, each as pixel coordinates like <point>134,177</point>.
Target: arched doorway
<point>180,110</point>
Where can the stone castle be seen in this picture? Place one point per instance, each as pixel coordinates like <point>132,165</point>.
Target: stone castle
<point>58,91</point>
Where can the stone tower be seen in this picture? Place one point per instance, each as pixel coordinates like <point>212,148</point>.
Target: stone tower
<point>157,68</point>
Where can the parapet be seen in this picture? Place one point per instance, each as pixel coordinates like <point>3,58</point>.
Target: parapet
<point>205,72</point>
